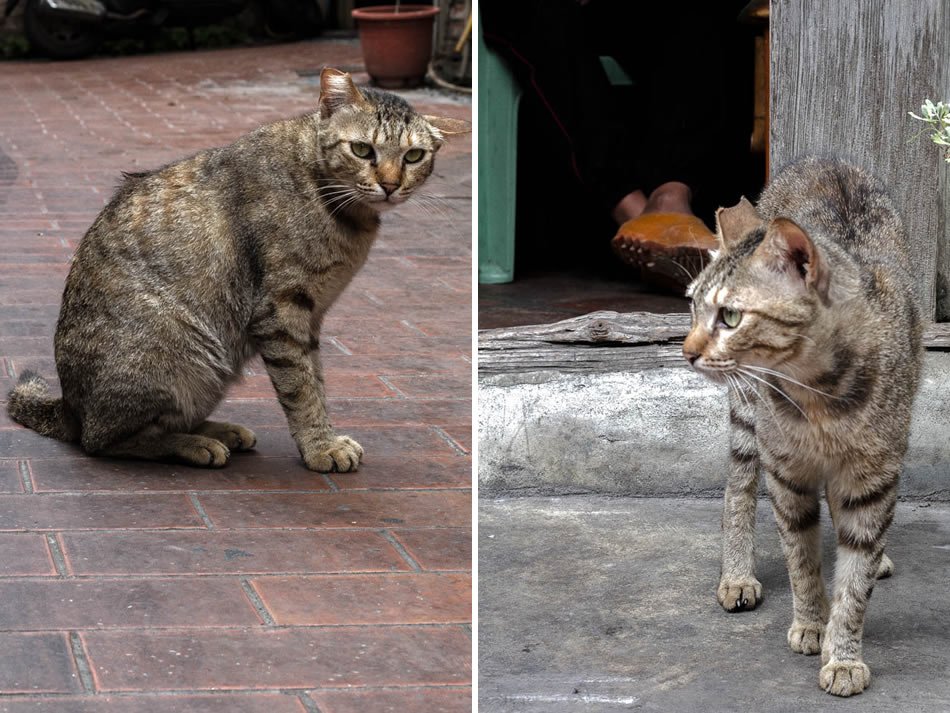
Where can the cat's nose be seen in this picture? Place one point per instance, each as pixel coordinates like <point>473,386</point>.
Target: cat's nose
<point>691,357</point>
<point>388,188</point>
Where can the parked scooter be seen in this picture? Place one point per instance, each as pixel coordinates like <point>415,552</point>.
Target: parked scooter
<point>69,29</point>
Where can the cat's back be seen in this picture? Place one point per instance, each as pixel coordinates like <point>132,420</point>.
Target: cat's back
<point>839,202</point>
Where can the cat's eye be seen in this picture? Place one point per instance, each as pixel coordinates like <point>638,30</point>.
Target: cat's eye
<point>414,155</point>
<point>730,317</point>
<point>361,150</point>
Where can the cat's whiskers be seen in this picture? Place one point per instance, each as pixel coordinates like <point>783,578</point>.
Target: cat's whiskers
<point>785,376</point>
<point>681,267</point>
<point>777,421</point>
<point>348,201</point>
<point>741,391</point>
<point>777,390</point>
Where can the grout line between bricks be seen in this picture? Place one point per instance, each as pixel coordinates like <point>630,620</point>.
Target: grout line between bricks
<point>456,446</point>
<point>206,630</point>
<point>339,345</point>
<point>237,693</point>
<point>141,576</point>
<point>257,602</point>
<point>26,478</point>
<point>199,508</point>
<point>389,385</point>
<point>308,703</point>
<point>8,367</point>
<point>56,551</point>
<point>409,325</point>
<point>82,663</point>
<point>401,550</point>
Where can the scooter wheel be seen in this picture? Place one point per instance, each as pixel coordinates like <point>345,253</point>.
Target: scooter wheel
<point>59,38</point>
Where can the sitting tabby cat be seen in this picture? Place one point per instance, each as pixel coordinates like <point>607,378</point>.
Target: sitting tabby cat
<point>808,314</point>
<point>195,267</point>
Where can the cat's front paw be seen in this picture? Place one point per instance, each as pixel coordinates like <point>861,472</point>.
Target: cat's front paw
<point>844,678</point>
<point>739,594</point>
<point>805,638</point>
<point>339,454</point>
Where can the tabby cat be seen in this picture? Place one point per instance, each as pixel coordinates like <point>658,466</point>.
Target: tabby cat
<point>807,313</point>
<point>193,268</point>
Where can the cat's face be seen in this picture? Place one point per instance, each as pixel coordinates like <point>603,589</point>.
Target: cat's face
<point>754,306</point>
<point>376,149</point>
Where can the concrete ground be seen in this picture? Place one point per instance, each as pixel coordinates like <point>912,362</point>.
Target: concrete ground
<point>589,603</point>
<point>140,587</point>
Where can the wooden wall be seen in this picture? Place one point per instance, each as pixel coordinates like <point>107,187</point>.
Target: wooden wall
<point>844,74</point>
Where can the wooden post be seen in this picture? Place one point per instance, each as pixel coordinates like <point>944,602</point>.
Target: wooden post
<point>844,76</point>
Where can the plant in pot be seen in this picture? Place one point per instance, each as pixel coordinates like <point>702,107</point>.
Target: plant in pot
<point>397,42</point>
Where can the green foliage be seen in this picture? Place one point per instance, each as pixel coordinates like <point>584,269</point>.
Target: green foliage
<point>937,116</point>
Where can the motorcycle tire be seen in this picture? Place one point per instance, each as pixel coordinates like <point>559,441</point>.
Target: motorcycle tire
<point>58,38</point>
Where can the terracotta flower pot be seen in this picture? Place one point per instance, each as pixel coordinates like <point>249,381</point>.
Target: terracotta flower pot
<point>397,46</point>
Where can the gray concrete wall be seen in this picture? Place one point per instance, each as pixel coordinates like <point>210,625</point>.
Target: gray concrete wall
<point>658,432</point>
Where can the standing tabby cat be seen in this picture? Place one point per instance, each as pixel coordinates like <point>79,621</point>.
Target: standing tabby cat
<point>195,267</point>
<point>808,314</point>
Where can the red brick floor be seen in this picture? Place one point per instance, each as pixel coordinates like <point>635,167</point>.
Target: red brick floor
<point>129,586</point>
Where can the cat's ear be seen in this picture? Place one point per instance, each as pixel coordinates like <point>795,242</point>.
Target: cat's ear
<point>787,248</point>
<point>733,224</point>
<point>444,126</point>
<point>337,90</point>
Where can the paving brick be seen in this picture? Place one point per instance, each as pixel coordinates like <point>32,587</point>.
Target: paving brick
<point>412,598</point>
<point>389,472</point>
<point>281,658</point>
<point>24,554</point>
<point>235,552</point>
<point>88,512</point>
<point>44,605</point>
<point>426,700</point>
<point>377,440</point>
<point>245,471</point>
<point>10,477</point>
<point>243,703</point>
<point>432,508</point>
<point>352,412</point>
<point>37,663</point>
<point>449,549</point>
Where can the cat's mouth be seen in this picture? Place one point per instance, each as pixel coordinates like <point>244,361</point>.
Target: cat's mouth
<point>715,369</point>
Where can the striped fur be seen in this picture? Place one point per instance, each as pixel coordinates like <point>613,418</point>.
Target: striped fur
<point>822,367</point>
<point>193,268</point>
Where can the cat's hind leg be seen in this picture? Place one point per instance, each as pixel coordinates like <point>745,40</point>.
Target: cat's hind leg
<point>886,568</point>
<point>235,437</point>
<point>739,590</point>
<point>154,443</point>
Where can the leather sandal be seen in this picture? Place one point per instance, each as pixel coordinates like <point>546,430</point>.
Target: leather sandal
<point>669,249</point>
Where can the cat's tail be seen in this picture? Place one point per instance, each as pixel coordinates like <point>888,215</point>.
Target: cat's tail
<point>30,404</point>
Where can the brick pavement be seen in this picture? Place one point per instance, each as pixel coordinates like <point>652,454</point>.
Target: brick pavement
<point>130,586</point>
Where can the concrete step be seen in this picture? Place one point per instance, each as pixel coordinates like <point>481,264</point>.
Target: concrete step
<point>608,604</point>
<point>652,432</point>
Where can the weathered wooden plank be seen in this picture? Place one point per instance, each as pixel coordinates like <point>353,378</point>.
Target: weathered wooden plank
<point>843,77</point>
<point>604,342</point>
